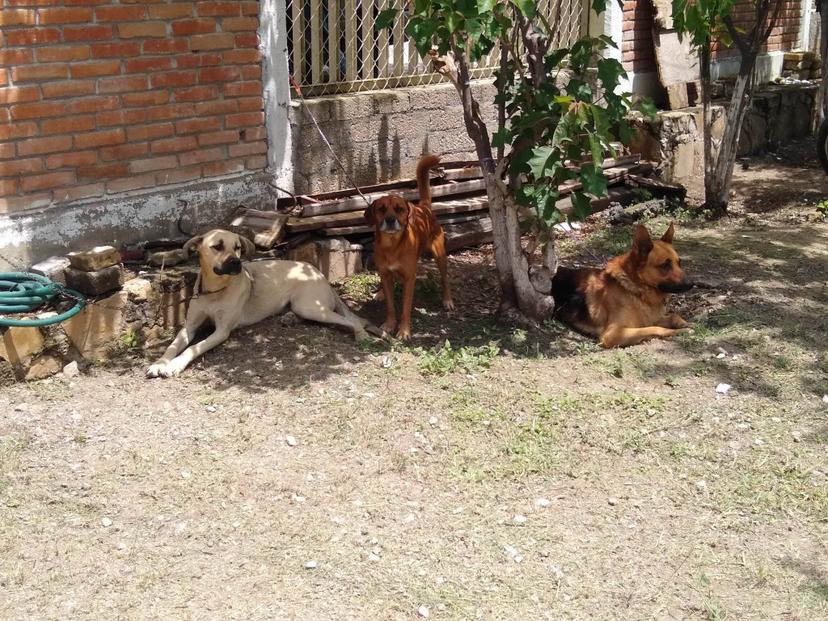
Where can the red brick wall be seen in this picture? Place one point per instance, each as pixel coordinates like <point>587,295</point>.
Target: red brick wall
<point>99,97</point>
<point>637,46</point>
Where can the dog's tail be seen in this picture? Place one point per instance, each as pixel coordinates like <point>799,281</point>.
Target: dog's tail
<point>423,185</point>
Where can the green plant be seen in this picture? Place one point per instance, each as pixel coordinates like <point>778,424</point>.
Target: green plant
<point>822,209</point>
<point>446,359</point>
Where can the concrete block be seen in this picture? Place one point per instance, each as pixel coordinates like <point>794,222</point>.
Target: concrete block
<point>52,268</point>
<point>338,258</point>
<point>94,283</point>
<point>168,258</point>
<point>138,289</point>
<point>306,253</point>
<point>93,330</point>
<point>95,259</point>
<point>18,343</point>
<point>389,102</point>
<point>43,366</point>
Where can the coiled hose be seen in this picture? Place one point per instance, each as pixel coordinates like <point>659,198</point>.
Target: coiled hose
<point>23,292</point>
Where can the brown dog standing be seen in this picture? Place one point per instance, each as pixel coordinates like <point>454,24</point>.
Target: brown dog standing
<point>623,304</point>
<point>403,232</point>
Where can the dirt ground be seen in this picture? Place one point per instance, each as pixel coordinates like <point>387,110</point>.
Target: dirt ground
<point>505,475</point>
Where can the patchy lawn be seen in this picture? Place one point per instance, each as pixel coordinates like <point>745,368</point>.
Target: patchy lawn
<point>505,474</point>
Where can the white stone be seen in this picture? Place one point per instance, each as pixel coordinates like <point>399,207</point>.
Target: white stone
<point>423,612</point>
<point>291,441</point>
<point>723,389</point>
<point>311,565</point>
<point>519,519</point>
<point>106,521</point>
<point>71,369</point>
<point>542,502</point>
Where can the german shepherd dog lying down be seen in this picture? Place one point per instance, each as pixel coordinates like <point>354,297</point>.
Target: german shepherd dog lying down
<point>624,303</point>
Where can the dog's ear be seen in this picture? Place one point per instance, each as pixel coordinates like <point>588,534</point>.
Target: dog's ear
<point>642,244</point>
<point>668,234</point>
<point>248,247</point>
<point>193,243</point>
<point>368,214</point>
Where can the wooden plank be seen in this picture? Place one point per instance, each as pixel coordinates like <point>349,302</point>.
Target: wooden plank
<point>316,41</point>
<point>298,35</point>
<point>333,41</point>
<point>357,202</point>
<point>350,41</point>
<point>471,233</point>
<point>364,228</point>
<point>267,227</point>
<point>382,63</point>
<point>352,218</point>
<point>368,41</point>
<point>399,64</point>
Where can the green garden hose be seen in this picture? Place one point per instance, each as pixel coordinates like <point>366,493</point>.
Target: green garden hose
<point>23,292</point>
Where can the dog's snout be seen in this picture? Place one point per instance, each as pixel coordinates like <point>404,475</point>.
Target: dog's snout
<point>389,220</point>
<point>231,265</point>
<point>677,287</point>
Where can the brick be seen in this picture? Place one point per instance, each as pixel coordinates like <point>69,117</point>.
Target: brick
<point>209,108</point>
<point>78,192</point>
<point>191,61</point>
<point>218,74</point>
<point>17,130</point>
<point>34,73</point>
<point>19,56</point>
<point>116,50</point>
<point>171,111</point>
<point>120,13</point>
<point>4,78</point>
<point>19,203</point>
<point>65,15</point>
<point>122,84</point>
<point>249,148</point>
<point>150,132</point>
<point>6,150</point>
<point>188,27</point>
<point>145,65</point>
<point>177,175</point>
<point>47,181</point>
<point>88,33</point>
<point>17,17</point>
<point>153,164</point>
<point>8,187</point>
<point>131,116</point>
<point>247,39</point>
<point>124,151</point>
<point>217,9</point>
<point>21,166</point>
<point>195,126</point>
<point>132,183</point>
<point>142,30</point>
<point>63,53</point>
<point>244,119</point>
<point>217,41</point>
<point>166,46</point>
<point>239,24</point>
<point>149,98</point>
<point>32,36</point>
<point>99,139</point>
<point>173,145</point>
<point>240,89</point>
<point>201,156</point>
<point>71,160</point>
<point>91,104</point>
<point>19,94</point>
<point>95,68</point>
<point>253,133</point>
<point>249,8</point>
<point>250,104</point>
<point>216,169</point>
<point>94,283</point>
<point>196,93</point>
<point>106,171</point>
<point>68,88</point>
<point>256,163</point>
<point>242,57</point>
<point>251,72</point>
<point>223,137</point>
<point>39,146</point>
<point>173,79</point>
<point>170,11</point>
<point>37,110</point>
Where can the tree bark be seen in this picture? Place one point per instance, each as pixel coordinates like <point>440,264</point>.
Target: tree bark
<point>823,53</point>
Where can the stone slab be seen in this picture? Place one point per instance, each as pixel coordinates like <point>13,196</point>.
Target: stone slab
<point>94,283</point>
<point>97,326</point>
<point>18,343</point>
<point>52,268</point>
<point>94,259</point>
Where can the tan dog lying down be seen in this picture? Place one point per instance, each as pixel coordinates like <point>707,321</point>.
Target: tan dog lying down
<point>233,294</point>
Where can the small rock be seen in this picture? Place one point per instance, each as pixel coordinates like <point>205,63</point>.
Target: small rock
<point>721,355</point>
<point>512,552</point>
<point>310,565</point>
<point>519,519</point>
<point>386,362</point>
<point>211,408</point>
<point>71,369</point>
<point>701,484</point>
<point>106,521</point>
<point>797,437</point>
<point>291,441</point>
<point>825,398</point>
<point>432,421</point>
<point>758,441</point>
<point>723,389</point>
<point>185,474</point>
<point>288,319</point>
<point>542,503</point>
<point>373,557</point>
<point>423,612</point>
<point>612,501</point>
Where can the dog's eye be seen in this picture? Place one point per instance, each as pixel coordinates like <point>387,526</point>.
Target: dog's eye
<point>238,246</point>
<point>666,265</point>
<point>218,246</point>
<point>397,209</point>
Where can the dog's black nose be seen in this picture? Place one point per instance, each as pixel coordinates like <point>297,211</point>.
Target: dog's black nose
<point>390,220</point>
<point>231,266</point>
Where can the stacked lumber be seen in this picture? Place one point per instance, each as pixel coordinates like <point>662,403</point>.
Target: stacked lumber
<point>458,199</point>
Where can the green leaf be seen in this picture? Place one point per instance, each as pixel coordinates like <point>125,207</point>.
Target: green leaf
<point>596,149</point>
<point>527,7</point>
<point>544,162</point>
<point>453,21</point>
<point>609,71</point>
<point>519,161</point>
<point>593,180</point>
<point>502,138</point>
<point>647,107</point>
<point>581,205</point>
<point>386,18</point>
<point>485,6</point>
<point>567,127</point>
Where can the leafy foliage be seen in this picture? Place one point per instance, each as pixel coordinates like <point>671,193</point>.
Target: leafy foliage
<point>563,111</point>
<point>703,20</point>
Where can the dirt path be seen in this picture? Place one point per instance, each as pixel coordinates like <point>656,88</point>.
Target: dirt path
<point>507,476</point>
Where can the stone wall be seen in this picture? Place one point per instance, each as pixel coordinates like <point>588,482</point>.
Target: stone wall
<point>380,135</point>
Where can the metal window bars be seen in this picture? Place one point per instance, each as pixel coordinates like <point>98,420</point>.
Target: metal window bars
<point>335,47</point>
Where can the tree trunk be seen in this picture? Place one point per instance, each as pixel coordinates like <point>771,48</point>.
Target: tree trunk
<point>707,116</point>
<point>823,53</point>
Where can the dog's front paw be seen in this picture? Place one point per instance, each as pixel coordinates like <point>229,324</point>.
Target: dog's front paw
<point>448,304</point>
<point>157,369</point>
<point>174,368</point>
<point>389,326</point>
<point>404,333</point>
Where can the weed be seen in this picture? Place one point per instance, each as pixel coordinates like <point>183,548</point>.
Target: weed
<point>822,209</point>
<point>642,195</point>
<point>447,359</point>
<point>361,287</point>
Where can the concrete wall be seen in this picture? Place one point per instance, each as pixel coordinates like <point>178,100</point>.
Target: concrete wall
<point>380,135</point>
